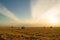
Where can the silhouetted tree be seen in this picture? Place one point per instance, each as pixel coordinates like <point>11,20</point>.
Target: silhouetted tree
<point>22,27</point>
<point>51,27</point>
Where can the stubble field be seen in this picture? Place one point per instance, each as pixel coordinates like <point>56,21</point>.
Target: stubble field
<point>30,33</point>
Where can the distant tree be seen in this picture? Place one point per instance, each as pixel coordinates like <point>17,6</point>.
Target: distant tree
<point>51,27</point>
<point>23,27</point>
<point>11,26</point>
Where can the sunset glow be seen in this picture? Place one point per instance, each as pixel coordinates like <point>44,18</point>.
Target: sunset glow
<point>42,12</point>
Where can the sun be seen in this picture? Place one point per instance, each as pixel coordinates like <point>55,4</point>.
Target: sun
<point>53,20</point>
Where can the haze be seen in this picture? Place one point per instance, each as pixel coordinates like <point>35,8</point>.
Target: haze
<point>30,12</point>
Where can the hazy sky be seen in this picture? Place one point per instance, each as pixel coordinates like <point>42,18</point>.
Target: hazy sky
<point>31,11</point>
<point>20,8</point>
<point>46,11</point>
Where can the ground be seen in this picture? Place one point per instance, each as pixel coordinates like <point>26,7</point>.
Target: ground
<point>30,33</point>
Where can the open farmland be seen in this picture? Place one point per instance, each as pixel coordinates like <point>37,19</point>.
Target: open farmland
<point>30,33</point>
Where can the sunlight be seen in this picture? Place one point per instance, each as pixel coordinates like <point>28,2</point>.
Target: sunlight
<point>53,20</point>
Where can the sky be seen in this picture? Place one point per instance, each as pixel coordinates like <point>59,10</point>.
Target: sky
<point>47,12</point>
<point>39,12</point>
<point>20,8</point>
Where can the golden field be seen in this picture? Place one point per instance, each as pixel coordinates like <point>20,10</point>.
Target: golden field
<point>30,33</point>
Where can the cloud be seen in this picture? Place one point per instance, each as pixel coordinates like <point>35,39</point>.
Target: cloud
<point>41,7</point>
<point>8,13</point>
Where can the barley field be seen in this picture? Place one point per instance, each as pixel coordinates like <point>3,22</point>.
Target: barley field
<point>30,33</point>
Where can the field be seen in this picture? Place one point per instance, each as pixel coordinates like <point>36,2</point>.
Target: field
<point>30,33</point>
